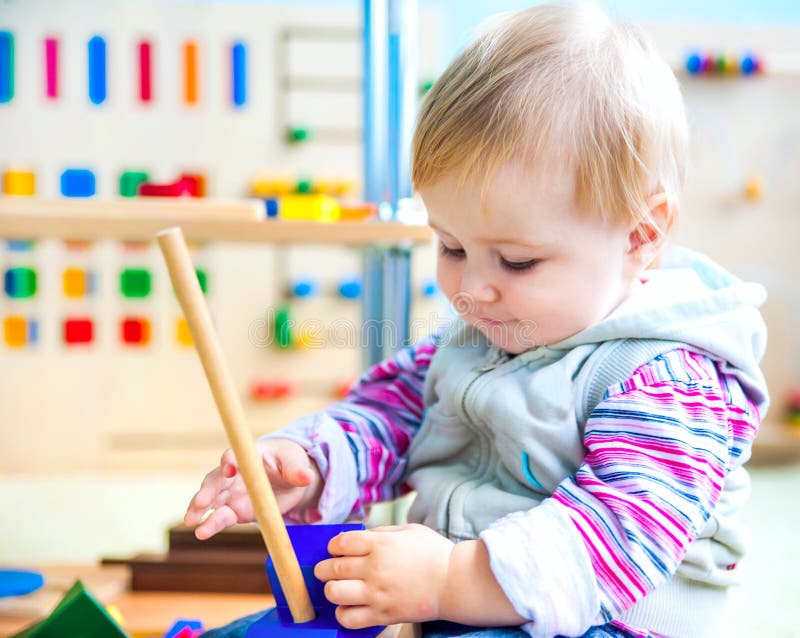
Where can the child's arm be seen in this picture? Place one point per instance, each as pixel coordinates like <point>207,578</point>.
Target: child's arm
<point>658,450</point>
<point>327,465</point>
<point>359,444</point>
<point>411,572</point>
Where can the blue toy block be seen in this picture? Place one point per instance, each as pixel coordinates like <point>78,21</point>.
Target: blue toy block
<point>239,73</point>
<point>97,70</point>
<point>33,331</point>
<point>271,207</point>
<point>305,287</point>
<point>310,543</point>
<point>19,245</point>
<point>429,287</point>
<point>6,66</point>
<point>77,182</point>
<point>18,583</point>
<point>350,288</point>
<point>181,624</point>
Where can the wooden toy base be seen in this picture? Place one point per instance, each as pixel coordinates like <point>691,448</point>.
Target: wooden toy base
<point>229,562</point>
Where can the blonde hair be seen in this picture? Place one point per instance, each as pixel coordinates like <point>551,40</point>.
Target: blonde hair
<point>560,82</point>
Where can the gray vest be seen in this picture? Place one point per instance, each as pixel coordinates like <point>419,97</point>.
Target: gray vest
<point>500,434</point>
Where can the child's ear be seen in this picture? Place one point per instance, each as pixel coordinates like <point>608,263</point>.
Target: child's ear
<point>647,237</point>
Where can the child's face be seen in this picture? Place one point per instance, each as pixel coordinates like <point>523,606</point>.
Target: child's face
<point>528,269</point>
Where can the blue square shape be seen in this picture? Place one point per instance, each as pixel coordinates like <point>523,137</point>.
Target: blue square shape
<point>310,543</point>
<point>77,182</point>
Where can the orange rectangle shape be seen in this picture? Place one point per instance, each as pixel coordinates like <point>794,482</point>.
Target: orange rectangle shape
<point>190,72</point>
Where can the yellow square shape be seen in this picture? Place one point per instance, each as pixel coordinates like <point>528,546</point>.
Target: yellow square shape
<point>74,282</point>
<point>15,330</point>
<point>19,183</point>
<point>183,333</point>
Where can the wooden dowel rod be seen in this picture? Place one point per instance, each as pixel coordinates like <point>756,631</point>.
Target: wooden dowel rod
<point>187,289</point>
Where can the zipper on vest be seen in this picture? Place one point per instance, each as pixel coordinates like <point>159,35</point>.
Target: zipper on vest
<point>499,358</point>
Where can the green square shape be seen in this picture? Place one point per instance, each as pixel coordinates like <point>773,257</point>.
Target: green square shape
<point>202,279</point>
<point>135,282</point>
<point>129,182</point>
<point>20,282</point>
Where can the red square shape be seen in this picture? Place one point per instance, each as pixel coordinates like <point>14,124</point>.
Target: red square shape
<point>135,331</point>
<point>78,331</point>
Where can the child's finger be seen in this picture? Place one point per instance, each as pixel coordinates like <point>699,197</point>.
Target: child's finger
<point>341,568</point>
<point>193,515</point>
<point>357,617</point>
<point>347,592</point>
<point>295,468</point>
<point>389,528</point>
<point>198,505</point>
<point>350,544</point>
<point>227,464</point>
<point>219,520</point>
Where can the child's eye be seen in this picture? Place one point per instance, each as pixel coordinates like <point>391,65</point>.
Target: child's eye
<point>518,266</point>
<point>454,253</point>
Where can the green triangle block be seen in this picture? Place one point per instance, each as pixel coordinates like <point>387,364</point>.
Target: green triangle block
<point>78,614</point>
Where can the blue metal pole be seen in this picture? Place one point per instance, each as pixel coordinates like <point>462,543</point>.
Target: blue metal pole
<point>376,116</point>
<point>376,128</point>
<point>403,46</point>
<point>402,101</point>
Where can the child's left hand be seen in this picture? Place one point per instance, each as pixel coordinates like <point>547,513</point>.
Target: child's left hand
<point>386,575</point>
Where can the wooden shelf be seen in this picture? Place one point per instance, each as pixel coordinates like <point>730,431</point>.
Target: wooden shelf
<point>201,220</point>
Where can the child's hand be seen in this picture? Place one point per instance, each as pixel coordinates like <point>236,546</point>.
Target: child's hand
<point>294,476</point>
<point>386,575</point>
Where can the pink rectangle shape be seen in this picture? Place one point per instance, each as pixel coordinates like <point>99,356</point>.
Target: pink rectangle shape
<point>145,71</point>
<point>51,67</point>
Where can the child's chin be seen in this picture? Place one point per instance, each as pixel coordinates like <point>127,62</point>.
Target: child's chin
<point>505,339</point>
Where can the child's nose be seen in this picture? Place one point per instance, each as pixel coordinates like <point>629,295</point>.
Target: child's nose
<point>479,288</point>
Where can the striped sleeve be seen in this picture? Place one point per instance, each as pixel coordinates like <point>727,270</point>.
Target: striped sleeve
<point>360,443</point>
<point>658,449</point>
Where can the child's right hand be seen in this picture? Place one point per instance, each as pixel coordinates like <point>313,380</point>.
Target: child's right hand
<point>294,476</point>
